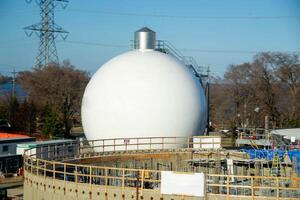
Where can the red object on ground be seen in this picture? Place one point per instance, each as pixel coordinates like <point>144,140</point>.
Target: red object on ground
<point>272,145</point>
<point>12,135</point>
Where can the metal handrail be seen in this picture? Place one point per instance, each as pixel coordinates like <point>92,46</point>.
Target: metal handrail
<point>106,176</point>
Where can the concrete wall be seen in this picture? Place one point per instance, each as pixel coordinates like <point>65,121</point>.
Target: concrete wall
<point>45,188</point>
<point>39,187</point>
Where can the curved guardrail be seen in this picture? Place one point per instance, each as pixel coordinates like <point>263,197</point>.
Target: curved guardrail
<point>52,162</point>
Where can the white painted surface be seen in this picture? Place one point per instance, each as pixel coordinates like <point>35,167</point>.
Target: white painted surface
<point>143,94</point>
<point>207,142</point>
<point>293,139</point>
<point>182,184</point>
<point>230,166</point>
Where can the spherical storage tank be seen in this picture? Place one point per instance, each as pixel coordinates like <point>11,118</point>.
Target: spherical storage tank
<point>143,93</point>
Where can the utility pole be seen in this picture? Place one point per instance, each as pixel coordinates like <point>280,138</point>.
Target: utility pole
<point>47,31</point>
<point>14,83</point>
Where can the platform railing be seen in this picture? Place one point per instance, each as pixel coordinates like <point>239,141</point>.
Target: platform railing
<point>151,143</point>
<point>145,179</point>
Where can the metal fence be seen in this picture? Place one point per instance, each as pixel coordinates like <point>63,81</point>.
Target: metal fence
<point>57,168</point>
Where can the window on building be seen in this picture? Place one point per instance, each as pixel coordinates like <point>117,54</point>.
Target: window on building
<point>5,148</point>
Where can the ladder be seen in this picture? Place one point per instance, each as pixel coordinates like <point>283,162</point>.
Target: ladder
<point>295,181</point>
<point>275,171</point>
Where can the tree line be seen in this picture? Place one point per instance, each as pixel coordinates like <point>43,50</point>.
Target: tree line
<point>52,105</point>
<point>269,85</point>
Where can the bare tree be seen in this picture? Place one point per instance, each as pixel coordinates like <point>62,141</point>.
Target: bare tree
<point>60,87</point>
<point>269,85</point>
<point>239,90</point>
<point>265,88</point>
<point>286,68</point>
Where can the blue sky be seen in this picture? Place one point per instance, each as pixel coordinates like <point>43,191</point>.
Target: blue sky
<point>200,28</point>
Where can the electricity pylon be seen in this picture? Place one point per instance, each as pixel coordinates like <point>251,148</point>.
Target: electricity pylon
<point>47,31</point>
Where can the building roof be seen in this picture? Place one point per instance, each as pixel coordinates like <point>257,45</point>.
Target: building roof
<point>288,133</point>
<point>16,140</point>
<point>45,142</point>
<point>144,29</point>
<point>4,135</point>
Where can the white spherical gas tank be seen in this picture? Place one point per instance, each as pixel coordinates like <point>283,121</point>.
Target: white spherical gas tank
<point>143,94</point>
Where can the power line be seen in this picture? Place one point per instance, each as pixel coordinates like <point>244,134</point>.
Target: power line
<point>183,49</point>
<point>15,12</point>
<point>234,51</point>
<point>95,44</point>
<point>133,14</point>
<point>262,17</point>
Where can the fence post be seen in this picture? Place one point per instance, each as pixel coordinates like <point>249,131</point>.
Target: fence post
<point>227,188</point>
<point>142,182</point>
<point>55,151</point>
<point>45,166</point>
<point>114,145</point>
<point>90,179</point>
<point>277,188</point>
<point>76,177</point>
<point>252,189</point>
<point>106,173</point>
<point>53,170</point>
<point>102,146</point>
<point>37,167</point>
<point>49,152</point>
<point>123,180</point>
<point>65,178</point>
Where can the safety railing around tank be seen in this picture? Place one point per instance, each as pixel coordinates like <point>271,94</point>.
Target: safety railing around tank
<point>76,149</point>
<point>254,186</point>
<point>143,179</point>
<point>151,143</point>
<point>47,162</point>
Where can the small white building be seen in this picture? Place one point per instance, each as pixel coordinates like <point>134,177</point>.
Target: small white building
<point>8,146</point>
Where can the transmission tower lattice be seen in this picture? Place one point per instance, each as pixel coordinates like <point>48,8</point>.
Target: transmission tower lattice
<point>47,31</point>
